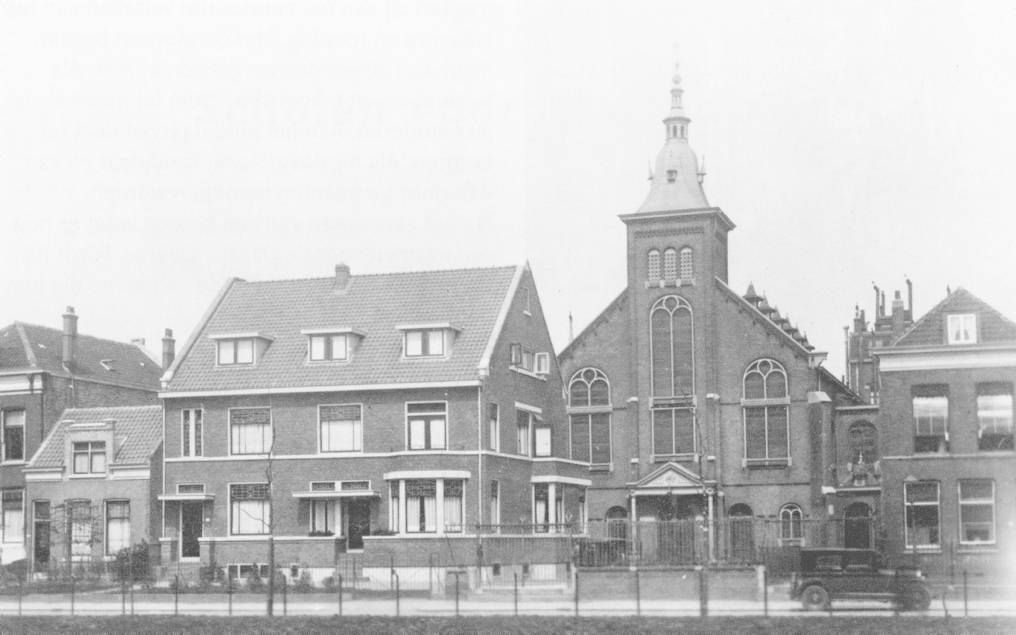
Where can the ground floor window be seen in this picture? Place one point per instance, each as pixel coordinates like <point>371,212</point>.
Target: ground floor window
<point>977,511</point>
<point>250,509</point>
<point>118,526</point>
<point>791,523</point>
<point>922,514</point>
<point>80,520</point>
<point>427,505</point>
<point>245,571</point>
<point>541,507</point>
<point>324,516</point>
<point>13,516</point>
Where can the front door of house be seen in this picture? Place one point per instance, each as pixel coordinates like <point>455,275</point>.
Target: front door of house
<point>191,513</point>
<point>358,513</point>
<point>42,529</point>
<point>857,526</point>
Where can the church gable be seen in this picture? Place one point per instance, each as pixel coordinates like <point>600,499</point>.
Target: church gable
<point>670,477</point>
<point>601,334</point>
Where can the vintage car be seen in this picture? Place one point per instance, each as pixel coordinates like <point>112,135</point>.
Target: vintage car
<point>828,574</point>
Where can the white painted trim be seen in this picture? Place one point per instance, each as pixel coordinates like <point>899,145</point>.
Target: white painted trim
<point>184,352</point>
<point>467,383</point>
<point>328,495</point>
<point>402,475</point>
<point>427,326</point>
<point>502,316</point>
<point>197,498</point>
<point>240,335</point>
<point>8,373</point>
<point>202,411</point>
<point>47,476</point>
<point>532,409</point>
<point>529,373</point>
<point>567,480</point>
<point>229,431</point>
<point>339,330</point>
<point>132,474</point>
<point>318,431</point>
<point>940,359</point>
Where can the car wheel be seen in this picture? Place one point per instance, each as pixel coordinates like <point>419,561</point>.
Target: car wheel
<point>815,598</point>
<point>915,598</point>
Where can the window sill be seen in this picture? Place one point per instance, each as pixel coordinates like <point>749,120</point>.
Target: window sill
<point>753,464</point>
<point>663,284</point>
<point>87,476</point>
<point>339,452</point>
<point>977,548</point>
<point>528,373</point>
<point>684,457</point>
<point>928,549</point>
<point>601,467</point>
<point>13,462</point>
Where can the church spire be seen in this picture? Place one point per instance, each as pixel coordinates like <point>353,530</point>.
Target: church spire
<point>676,182</point>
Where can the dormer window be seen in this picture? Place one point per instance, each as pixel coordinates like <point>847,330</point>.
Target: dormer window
<point>89,457</point>
<point>426,340</point>
<point>238,351</point>
<point>327,347</point>
<point>962,328</point>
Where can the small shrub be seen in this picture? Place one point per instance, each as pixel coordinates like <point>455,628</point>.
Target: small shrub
<point>329,583</point>
<point>304,583</point>
<point>132,563</point>
<point>255,583</point>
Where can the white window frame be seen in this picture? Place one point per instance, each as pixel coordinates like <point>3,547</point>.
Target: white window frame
<point>938,507</point>
<point>428,430</point>
<point>523,434</point>
<point>233,344</point>
<point>978,502</point>
<point>427,340</point>
<point>271,431</point>
<point>328,347</point>
<point>357,430</point>
<point>543,447</point>
<point>765,403</point>
<point>961,328</point>
<point>494,502</point>
<point>787,519</point>
<point>187,433</point>
<point>654,267</point>
<point>494,427</point>
<point>918,432</point>
<point>91,453</point>
<point>17,536</point>
<point>989,417</point>
<point>266,521</point>
<point>109,549</point>
<point>4,424</point>
<point>686,264</point>
<point>541,363</point>
<point>332,513</point>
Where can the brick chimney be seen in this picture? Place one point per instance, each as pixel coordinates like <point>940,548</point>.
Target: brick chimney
<point>341,278</point>
<point>70,337</point>
<point>899,318</point>
<point>168,349</point>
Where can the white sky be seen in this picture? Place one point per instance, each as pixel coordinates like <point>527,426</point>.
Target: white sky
<point>151,150</point>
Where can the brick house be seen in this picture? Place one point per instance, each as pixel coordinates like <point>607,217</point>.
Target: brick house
<point>44,371</point>
<point>687,399</point>
<point>92,486</point>
<point>947,438</point>
<point>397,413</point>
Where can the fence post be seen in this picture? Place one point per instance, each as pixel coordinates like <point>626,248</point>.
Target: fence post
<point>229,592</point>
<point>638,594</point>
<point>123,596</point>
<point>397,608</point>
<point>965,613</point>
<point>20,595</point>
<point>576,593</point>
<point>703,593</point>
<point>456,594</point>
<point>765,591</point>
<point>72,594</point>
<point>132,595</point>
<point>176,595</point>
<point>340,595</point>
<point>516,593</point>
<point>285,597</point>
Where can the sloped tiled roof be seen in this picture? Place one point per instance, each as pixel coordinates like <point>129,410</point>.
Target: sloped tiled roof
<point>993,327</point>
<point>138,433</point>
<point>32,347</point>
<point>469,299</point>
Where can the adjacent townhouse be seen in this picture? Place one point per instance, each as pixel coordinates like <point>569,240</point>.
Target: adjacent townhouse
<point>44,371</point>
<point>357,414</point>
<point>92,488</point>
<point>948,463</point>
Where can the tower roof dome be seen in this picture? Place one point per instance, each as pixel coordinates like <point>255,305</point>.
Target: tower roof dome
<point>677,175</point>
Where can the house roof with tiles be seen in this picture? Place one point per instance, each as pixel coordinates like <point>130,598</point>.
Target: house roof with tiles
<point>374,309</point>
<point>137,434</point>
<point>30,347</point>
<point>930,330</point>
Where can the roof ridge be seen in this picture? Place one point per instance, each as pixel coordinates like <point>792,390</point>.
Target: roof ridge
<point>727,289</point>
<point>135,407</point>
<point>79,335</point>
<point>387,273</point>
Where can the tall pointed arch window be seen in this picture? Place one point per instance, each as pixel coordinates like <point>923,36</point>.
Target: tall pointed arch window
<point>589,411</point>
<point>766,404</point>
<point>670,264</point>
<point>672,347</point>
<point>653,265</point>
<point>687,264</point>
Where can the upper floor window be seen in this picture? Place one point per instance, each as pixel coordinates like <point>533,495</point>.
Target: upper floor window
<point>994,416</point>
<point>977,511</point>
<point>425,343</point>
<point>236,351</point>
<point>931,418</point>
<point>493,427</point>
<point>250,430</point>
<point>427,424</point>
<point>791,522</point>
<point>341,428</point>
<point>191,432</point>
<point>523,432</point>
<point>521,358</point>
<point>921,502</point>
<point>670,264</point>
<point>589,414</point>
<point>672,347</point>
<point>673,432</point>
<point>89,457</point>
<point>766,405</point>
<point>527,299</point>
<point>14,435</point>
<point>653,265</point>
<point>863,440</point>
<point>328,347</point>
<point>962,328</point>
<point>687,264</point>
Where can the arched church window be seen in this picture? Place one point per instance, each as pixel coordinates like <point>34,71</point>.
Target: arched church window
<point>791,522</point>
<point>654,265</point>
<point>670,264</point>
<point>687,264</point>
<point>766,405</point>
<point>671,346</point>
<point>863,439</point>
<point>589,416</point>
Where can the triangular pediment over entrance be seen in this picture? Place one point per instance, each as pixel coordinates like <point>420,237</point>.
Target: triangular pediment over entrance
<point>671,477</point>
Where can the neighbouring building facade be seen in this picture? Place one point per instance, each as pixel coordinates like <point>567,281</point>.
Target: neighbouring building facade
<point>92,487</point>
<point>44,371</point>
<point>689,400</point>
<point>948,467</point>
<point>385,414</point>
